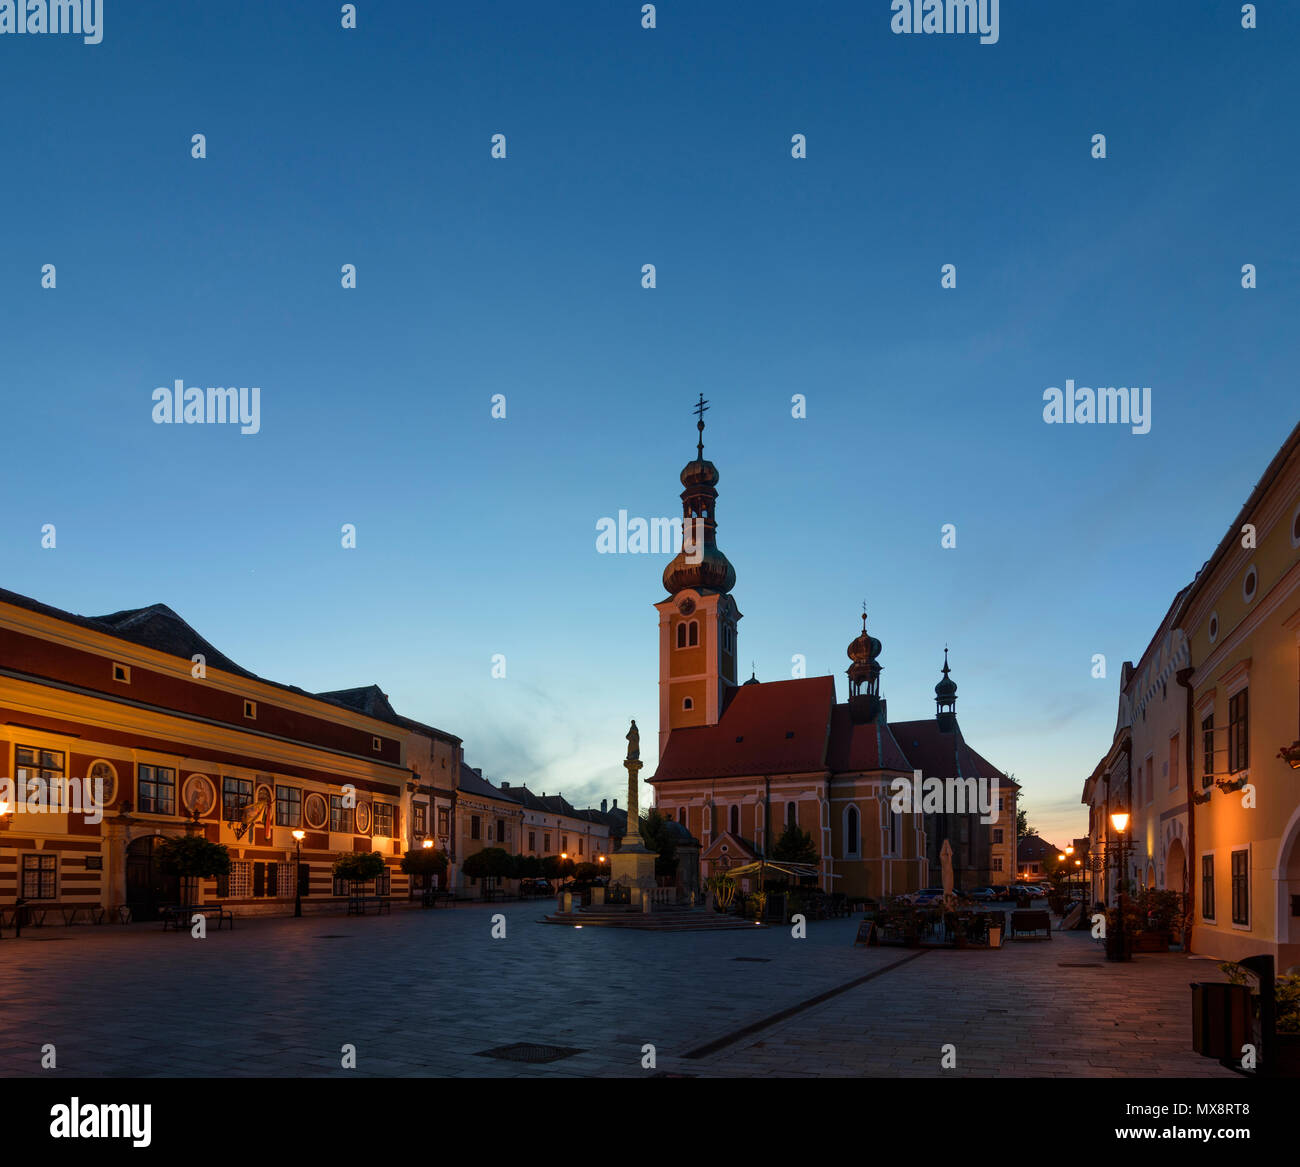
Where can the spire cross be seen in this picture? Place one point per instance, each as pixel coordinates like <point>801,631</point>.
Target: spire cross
<point>701,407</point>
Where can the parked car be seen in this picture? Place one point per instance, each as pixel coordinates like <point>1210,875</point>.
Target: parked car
<point>535,887</point>
<point>927,896</point>
<point>982,894</point>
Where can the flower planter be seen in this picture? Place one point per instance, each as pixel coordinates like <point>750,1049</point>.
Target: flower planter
<point>1151,942</point>
<point>1288,1055</point>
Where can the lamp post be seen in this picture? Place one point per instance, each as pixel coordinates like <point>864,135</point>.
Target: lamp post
<point>298,837</point>
<point>1119,950</point>
<point>428,877</point>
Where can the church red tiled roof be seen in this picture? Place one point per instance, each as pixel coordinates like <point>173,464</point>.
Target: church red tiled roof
<point>795,727</point>
<point>778,727</point>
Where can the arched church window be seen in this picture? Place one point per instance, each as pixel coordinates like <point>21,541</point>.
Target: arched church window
<point>735,820</point>
<point>681,815</point>
<point>851,831</point>
<point>688,702</point>
<point>681,635</point>
<point>791,815</point>
<point>694,633</point>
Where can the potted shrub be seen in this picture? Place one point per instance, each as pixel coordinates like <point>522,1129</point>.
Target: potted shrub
<point>359,867</point>
<point>491,864</point>
<point>1156,910</point>
<point>1113,928</point>
<point>192,857</point>
<point>425,862</point>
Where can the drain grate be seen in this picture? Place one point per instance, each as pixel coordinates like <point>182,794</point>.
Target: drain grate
<point>525,1051</point>
<point>754,959</point>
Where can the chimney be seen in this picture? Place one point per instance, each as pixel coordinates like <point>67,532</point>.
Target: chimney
<point>604,806</point>
<point>615,807</point>
<point>505,785</point>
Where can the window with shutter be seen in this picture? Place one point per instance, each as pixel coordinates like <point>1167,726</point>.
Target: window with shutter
<point>259,879</point>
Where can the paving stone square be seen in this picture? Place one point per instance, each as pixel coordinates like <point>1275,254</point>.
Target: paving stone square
<point>426,993</point>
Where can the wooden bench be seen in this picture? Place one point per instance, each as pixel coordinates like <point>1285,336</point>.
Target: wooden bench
<point>431,899</point>
<point>357,905</point>
<point>1030,920</point>
<point>181,916</point>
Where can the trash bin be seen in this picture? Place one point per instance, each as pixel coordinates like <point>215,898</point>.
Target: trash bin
<point>1221,1019</point>
<point>995,935</point>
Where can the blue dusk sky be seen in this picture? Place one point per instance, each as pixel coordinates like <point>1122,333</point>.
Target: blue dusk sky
<point>521,276</point>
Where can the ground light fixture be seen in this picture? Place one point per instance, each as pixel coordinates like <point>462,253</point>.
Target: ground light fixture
<point>298,837</point>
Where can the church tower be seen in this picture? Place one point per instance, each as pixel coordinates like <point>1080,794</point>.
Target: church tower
<point>864,676</point>
<point>697,623</point>
<point>945,699</point>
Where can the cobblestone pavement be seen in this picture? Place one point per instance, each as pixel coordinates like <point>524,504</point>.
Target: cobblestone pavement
<point>425,993</point>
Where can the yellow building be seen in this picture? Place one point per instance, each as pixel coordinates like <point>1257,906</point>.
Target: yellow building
<point>1242,620</point>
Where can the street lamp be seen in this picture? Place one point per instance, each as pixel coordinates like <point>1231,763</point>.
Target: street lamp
<point>298,837</point>
<point>428,878</point>
<point>1119,820</point>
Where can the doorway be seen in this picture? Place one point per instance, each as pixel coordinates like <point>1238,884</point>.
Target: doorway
<point>148,887</point>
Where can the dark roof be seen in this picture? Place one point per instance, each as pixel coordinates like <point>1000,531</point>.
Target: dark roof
<point>550,803</point>
<point>870,745</point>
<point>159,628</point>
<point>368,699</point>
<point>472,782</point>
<point>1032,847</point>
<point>373,702</point>
<point>156,627</point>
<point>941,755</point>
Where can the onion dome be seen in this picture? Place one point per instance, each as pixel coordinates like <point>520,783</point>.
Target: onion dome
<point>753,678</point>
<point>864,649</point>
<point>947,688</point>
<point>713,572</point>
<point>865,669</point>
<point>700,471</point>
<point>699,565</point>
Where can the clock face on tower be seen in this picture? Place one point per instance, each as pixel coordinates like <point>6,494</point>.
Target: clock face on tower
<point>687,606</point>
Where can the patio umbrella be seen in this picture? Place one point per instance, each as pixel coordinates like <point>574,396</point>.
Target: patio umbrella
<point>945,863</point>
<point>807,870</point>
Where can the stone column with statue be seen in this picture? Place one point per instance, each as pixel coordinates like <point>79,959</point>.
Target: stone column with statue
<point>633,864</point>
